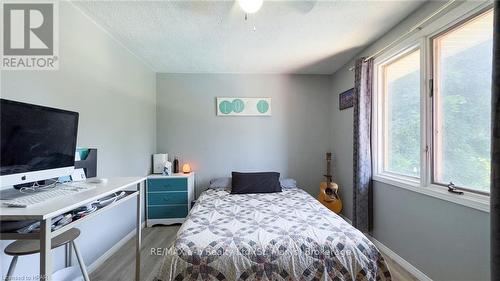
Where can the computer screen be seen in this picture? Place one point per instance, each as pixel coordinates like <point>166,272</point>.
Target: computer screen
<point>35,138</point>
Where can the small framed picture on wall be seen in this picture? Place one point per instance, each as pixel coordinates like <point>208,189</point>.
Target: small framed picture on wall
<point>346,99</point>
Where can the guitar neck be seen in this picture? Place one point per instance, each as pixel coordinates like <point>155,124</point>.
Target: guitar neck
<point>328,175</point>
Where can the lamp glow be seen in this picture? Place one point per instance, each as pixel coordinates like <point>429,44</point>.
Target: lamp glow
<point>250,6</point>
<point>186,169</point>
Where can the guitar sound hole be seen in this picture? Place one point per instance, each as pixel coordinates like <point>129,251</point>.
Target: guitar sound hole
<point>331,193</point>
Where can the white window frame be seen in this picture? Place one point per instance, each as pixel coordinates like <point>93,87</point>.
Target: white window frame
<point>380,107</point>
<point>422,40</point>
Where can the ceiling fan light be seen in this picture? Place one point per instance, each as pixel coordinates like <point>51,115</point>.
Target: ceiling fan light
<point>250,6</point>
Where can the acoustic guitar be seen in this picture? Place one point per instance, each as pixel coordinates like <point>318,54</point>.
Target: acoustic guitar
<point>328,190</point>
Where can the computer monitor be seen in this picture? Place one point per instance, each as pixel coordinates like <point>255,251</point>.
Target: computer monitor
<point>37,142</point>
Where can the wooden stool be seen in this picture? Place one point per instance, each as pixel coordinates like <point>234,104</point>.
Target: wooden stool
<point>29,247</point>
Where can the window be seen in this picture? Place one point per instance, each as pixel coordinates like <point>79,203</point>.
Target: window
<point>401,87</point>
<point>462,62</point>
<point>432,108</point>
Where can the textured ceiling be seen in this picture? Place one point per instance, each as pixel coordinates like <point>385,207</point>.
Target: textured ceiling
<point>314,37</point>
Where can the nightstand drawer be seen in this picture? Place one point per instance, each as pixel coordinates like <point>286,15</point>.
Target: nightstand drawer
<point>167,184</point>
<point>165,212</point>
<point>167,198</point>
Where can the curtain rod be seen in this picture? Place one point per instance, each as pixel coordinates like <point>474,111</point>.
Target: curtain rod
<point>418,26</point>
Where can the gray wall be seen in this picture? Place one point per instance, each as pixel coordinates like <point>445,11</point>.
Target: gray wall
<point>292,141</point>
<point>115,95</point>
<point>444,240</point>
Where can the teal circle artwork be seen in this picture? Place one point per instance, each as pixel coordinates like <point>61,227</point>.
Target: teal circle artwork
<point>226,107</point>
<point>262,106</point>
<point>238,105</point>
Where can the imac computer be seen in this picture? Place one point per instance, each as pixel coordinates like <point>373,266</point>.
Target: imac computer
<point>37,142</point>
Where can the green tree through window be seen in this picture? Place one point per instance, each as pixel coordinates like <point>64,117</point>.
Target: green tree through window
<point>463,62</point>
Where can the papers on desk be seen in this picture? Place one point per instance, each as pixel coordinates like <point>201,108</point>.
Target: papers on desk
<point>62,220</point>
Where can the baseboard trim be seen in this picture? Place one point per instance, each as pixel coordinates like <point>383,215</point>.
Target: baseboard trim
<point>399,260</point>
<point>395,257</point>
<point>99,261</point>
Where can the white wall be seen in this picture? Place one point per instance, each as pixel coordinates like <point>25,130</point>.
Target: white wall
<point>292,141</point>
<point>115,95</point>
<point>444,240</point>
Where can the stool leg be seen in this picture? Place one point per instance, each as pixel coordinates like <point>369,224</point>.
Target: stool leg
<point>12,266</point>
<point>83,268</point>
<point>68,255</point>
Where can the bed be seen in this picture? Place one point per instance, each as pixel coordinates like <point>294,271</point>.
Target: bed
<point>286,235</point>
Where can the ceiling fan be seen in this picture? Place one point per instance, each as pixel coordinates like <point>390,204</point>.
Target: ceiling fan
<point>250,6</point>
<point>237,8</point>
<point>253,6</point>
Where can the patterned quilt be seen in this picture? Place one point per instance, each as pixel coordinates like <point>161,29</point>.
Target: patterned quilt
<point>274,236</point>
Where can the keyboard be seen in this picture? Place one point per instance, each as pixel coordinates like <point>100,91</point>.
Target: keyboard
<point>42,196</point>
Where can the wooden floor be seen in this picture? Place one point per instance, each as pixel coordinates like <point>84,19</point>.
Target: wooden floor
<point>397,272</point>
<point>121,266</point>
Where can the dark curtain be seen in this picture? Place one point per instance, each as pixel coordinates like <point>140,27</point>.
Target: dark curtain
<point>495,151</point>
<point>362,188</point>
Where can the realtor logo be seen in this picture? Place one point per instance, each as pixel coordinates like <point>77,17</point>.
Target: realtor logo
<point>29,36</point>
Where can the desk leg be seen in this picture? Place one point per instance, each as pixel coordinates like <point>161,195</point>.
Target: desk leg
<point>45,250</point>
<point>138,237</point>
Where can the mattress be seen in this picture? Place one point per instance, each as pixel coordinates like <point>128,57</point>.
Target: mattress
<point>273,236</point>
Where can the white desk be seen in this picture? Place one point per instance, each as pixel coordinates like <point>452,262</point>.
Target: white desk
<point>44,213</point>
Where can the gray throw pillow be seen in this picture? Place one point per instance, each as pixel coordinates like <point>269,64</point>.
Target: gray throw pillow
<point>261,182</point>
<point>225,183</point>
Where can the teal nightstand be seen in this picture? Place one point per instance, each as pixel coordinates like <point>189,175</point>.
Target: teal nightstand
<point>168,198</point>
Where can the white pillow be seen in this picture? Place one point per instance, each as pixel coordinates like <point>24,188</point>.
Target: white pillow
<point>288,183</point>
<point>220,183</point>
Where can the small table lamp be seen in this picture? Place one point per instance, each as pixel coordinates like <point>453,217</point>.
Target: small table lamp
<point>186,169</point>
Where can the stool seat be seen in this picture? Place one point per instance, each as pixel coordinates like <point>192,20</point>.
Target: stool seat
<point>29,247</point>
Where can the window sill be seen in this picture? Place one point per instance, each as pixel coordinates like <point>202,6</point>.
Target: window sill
<point>468,199</point>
